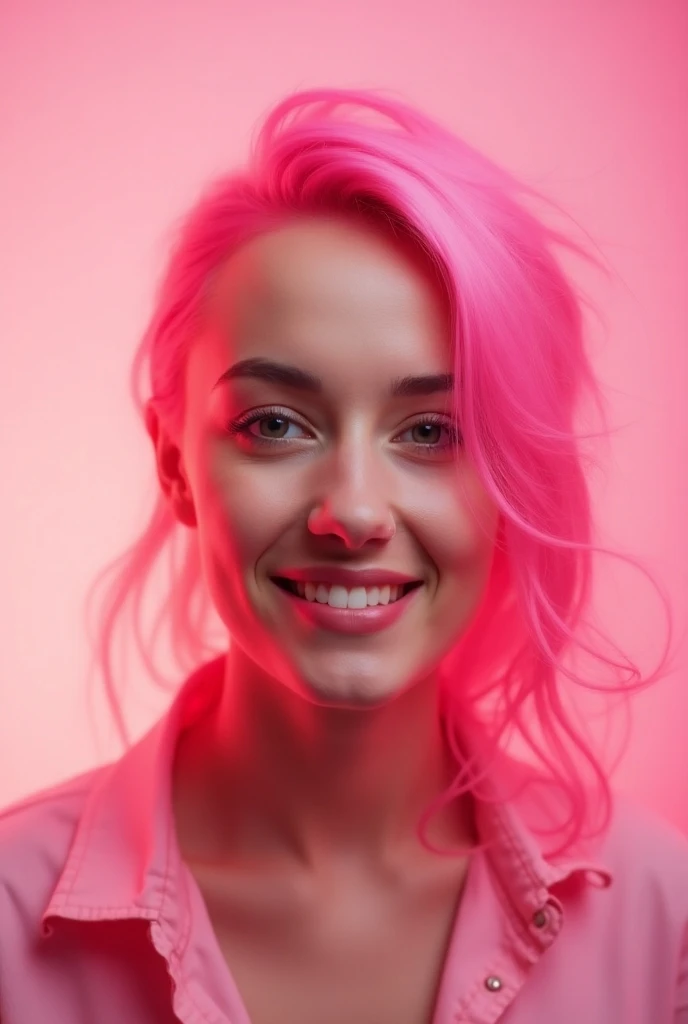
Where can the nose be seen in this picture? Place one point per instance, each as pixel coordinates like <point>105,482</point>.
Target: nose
<point>353,502</point>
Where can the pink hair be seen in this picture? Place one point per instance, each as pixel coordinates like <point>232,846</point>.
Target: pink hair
<point>519,356</point>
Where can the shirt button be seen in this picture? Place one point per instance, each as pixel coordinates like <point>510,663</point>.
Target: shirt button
<point>539,918</point>
<point>493,983</point>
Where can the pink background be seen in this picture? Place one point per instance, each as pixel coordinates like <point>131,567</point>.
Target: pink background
<point>113,115</point>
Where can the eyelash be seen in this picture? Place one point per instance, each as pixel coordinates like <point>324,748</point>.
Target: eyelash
<point>240,426</point>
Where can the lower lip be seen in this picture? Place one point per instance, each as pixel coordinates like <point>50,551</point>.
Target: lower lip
<point>350,620</point>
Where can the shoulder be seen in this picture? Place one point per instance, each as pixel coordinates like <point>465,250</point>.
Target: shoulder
<point>638,842</point>
<point>49,803</point>
<point>645,854</point>
<point>648,858</point>
<point>642,845</point>
<point>634,924</point>
<point>36,834</point>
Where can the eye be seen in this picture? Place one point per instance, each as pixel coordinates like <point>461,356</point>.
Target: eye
<point>432,433</point>
<point>266,426</point>
<point>272,427</point>
<point>426,433</point>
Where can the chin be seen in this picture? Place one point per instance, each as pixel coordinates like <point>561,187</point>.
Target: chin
<point>353,688</point>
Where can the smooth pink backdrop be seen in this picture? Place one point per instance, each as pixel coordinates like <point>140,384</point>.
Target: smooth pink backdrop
<point>112,117</point>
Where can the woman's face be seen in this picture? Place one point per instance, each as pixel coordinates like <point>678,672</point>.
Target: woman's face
<point>318,443</point>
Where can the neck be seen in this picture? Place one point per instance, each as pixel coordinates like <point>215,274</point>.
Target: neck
<point>270,773</point>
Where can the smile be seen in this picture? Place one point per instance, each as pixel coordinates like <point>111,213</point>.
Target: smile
<point>352,610</point>
<point>337,596</point>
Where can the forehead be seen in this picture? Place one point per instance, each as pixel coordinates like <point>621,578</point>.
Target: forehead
<point>333,297</point>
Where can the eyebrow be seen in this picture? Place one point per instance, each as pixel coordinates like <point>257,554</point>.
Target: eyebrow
<point>300,380</point>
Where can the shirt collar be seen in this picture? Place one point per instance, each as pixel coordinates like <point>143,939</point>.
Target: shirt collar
<point>125,861</point>
<point>515,806</point>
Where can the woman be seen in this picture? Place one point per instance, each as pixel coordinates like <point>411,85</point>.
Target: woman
<point>364,367</point>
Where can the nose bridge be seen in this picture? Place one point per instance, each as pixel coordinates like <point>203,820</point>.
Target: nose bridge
<point>357,466</point>
<point>354,491</point>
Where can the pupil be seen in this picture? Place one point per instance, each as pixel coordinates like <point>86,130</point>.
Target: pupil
<point>427,432</point>
<point>273,425</point>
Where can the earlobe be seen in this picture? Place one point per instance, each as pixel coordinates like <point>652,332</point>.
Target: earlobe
<point>183,505</point>
<point>171,475</point>
<point>151,420</point>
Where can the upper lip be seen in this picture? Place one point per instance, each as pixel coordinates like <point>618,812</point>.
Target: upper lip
<point>347,577</point>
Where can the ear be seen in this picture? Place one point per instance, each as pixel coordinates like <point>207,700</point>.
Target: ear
<point>170,468</point>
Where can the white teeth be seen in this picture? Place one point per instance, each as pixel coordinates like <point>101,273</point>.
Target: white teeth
<point>342,597</point>
<point>338,598</point>
<point>357,598</point>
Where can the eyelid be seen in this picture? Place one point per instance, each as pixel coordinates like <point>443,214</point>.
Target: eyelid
<point>255,415</point>
<point>435,419</point>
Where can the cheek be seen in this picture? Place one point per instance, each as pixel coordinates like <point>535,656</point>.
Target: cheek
<point>245,511</point>
<point>459,536</point>
<point>456,523</point>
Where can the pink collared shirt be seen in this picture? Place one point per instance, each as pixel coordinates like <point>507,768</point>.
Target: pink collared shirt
<point>101,922</point>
